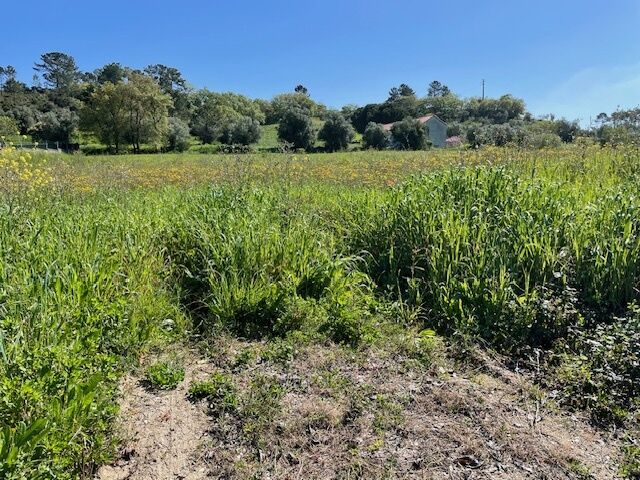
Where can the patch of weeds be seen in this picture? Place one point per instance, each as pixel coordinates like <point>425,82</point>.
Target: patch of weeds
<point>260,406</point>
<point>279,351</point>
<point>388,414</point>
<point>428,347</point>
<point>245,357</point>
<point>581,471</point>
<point>358,405</point>
<point>299,314</point>
<point>218,390</point>
<point>164,375</point>
<point>630,465</point>
<point>598,369</point>
<point>333,380</point>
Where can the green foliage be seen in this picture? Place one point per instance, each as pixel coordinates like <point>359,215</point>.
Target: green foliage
<point>8,126</point>
<point>219,391</point>
<point>336,132</point>
<point>375,136</point>
<point>410,134</point>
<point>600,369</point>
<point>164,375</point>
<point>135,111</point>
<point>544,140</point>
<point>521,248</point>
<point>285,102</point>
<point>241,131</point>
<point>57,125</point>
<point>248,263</point>
<point>260,407</point>
<point>59,70</point>
<point>178,134</point>
<point>297,129</point>
<point>512,260</point>
<point>215,112</point>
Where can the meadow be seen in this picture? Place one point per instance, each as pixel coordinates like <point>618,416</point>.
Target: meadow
<point>105,258</point>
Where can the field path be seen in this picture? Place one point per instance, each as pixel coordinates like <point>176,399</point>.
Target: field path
<point>162,432</point>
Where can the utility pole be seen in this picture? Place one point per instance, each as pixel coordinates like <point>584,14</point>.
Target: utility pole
<point>483,89</point>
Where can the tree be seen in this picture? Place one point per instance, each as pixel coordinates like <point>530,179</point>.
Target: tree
<point>242,131</point>
<point>336,132</point>
<point>403,90</point>
<point>8,127</point>
<point>135,111</point>
<point>148,109</point>
<point>168,78</point>
<point>106,114</point>
<point>566,130</point>
<point>7,75</point>
<point>111,72</point>
<point>178,134</point>
<point>59,70</point>
<point>301,89</point>
<point>297,128</point>
<point>375,136</point>
<point>410,134</point>
<point>437,89</point>
<point>447,107</point>
<point>284,102</point>
<point>215,112</point>
<point>56,125</point>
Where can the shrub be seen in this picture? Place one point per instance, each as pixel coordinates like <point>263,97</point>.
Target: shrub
<point>297,128</point>
<point>544,140</point>
<point>600,368</point>
<point>178,135</point>
<point>8,127</point>
<point>164,375</point>
<point>375,136</point>
<point>337,132</point>
<point>410,134</point>
<point>241,131</point>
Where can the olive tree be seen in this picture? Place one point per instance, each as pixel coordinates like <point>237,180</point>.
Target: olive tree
<point>336,132</point>
<point>375,136</point>
<point>297,128</point>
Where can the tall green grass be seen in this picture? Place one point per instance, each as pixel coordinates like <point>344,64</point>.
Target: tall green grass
<point>487,251</point>
<point>517,250</point>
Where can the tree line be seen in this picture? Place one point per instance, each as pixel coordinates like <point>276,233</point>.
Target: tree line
<point>126,108</point>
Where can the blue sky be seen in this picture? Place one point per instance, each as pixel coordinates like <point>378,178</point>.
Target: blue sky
<point>573,58</point>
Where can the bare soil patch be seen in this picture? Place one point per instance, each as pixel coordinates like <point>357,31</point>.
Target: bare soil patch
<point>162,431</point>
<point>328,412</point>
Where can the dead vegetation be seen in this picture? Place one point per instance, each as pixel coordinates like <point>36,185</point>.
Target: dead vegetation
<point>321,411</point>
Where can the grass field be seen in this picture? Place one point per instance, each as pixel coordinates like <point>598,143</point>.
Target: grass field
<point>106,258</point>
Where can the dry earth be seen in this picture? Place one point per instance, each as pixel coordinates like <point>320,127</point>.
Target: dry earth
<point>327,412</point>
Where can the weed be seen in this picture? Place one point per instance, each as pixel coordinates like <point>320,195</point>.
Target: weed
<point>164,375</point>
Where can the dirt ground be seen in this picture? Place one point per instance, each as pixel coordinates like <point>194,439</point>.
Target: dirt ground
<point>328,412</point>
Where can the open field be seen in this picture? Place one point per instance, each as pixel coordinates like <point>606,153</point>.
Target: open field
<point>438,314</point>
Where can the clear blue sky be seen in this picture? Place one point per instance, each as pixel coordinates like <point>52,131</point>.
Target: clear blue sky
<point>573,58</point>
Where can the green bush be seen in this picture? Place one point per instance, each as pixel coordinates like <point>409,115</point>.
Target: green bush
<point>297,129</point>
<point>410,134</point>
<point>336,132</point>
<point>241,131</point>
<point>375,136</point>
<point>178,135</point>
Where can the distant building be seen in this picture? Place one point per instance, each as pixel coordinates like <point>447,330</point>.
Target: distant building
<point>436,129</point>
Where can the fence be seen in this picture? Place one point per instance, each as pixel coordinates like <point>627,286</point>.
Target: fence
<point>45,145</point>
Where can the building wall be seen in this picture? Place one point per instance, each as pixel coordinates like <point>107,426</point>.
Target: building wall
<point>437,132</point>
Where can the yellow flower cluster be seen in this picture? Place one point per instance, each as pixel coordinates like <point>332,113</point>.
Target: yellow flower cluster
<point>19,171</point>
